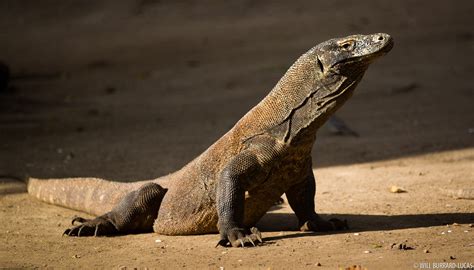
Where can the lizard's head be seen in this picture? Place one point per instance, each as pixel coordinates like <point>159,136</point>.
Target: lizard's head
<point>353,53</point>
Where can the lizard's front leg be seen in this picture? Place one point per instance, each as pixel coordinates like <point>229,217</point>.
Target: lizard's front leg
<point>135,213</point>
<point>301,199</point>
<point>231,198</point>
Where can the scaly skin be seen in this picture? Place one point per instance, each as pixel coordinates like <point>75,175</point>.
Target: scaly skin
<point>230,186</point>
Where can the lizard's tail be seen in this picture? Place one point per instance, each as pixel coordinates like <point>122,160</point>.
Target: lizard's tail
<point>91,195</point>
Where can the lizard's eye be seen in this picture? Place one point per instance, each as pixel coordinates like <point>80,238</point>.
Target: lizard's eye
<point>347,45</point>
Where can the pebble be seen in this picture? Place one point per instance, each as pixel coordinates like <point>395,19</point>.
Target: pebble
<point>395,189</point>
<point>158,241</point>
<point>318,264</point>
<point>367,251</point>
<point>356,233</point>
<point>404,247</point>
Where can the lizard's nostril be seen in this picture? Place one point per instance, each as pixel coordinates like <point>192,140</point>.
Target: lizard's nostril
<point>380,38</point>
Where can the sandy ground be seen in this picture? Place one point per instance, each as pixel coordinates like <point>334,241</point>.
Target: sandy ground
<point>136,89</point>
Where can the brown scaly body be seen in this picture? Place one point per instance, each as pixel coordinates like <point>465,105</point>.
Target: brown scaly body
<point>230,186</point>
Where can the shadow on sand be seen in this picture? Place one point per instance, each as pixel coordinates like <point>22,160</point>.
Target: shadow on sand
<point>361,223</point>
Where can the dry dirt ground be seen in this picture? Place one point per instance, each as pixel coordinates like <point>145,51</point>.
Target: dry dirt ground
<point>130,90</point>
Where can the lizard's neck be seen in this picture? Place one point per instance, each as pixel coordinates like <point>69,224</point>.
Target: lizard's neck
<point>306,119</point>
<point>299,104</point>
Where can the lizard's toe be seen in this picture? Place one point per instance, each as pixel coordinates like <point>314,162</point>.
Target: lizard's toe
<point>238,238</point>
<point>93,227</point>
<point>82,230</point>
<point>339,224</point>
<point>321,225</point>
<point>255,233</point>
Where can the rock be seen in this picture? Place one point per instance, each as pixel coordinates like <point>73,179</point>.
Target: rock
<point>404,247</point>
<point>354,267</point>
<point>395,189</point>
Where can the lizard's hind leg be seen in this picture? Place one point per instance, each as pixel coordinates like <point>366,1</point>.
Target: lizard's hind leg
<point>301,200</point>
<point>134,214</point>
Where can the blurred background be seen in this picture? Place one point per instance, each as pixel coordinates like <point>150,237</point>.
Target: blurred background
<point>136,89</point>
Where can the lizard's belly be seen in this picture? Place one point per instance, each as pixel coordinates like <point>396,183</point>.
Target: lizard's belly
<point>188,209</point>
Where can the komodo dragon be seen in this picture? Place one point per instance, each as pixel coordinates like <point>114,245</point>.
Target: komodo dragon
<point>230,186</point>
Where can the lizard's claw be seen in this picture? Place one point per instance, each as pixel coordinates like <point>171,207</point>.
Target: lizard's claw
<point>250,240</point>
<point>79,219</point>
<point>237,238</point>
<point>91,227</point>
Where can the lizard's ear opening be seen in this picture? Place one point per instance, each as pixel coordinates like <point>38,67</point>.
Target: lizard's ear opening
<point>320,65</point>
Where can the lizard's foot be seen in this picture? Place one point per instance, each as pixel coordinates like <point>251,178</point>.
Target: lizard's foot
<point>134,214</point>
<point>237,237</point>
<point>321,225</point>
<point>99,226</point>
